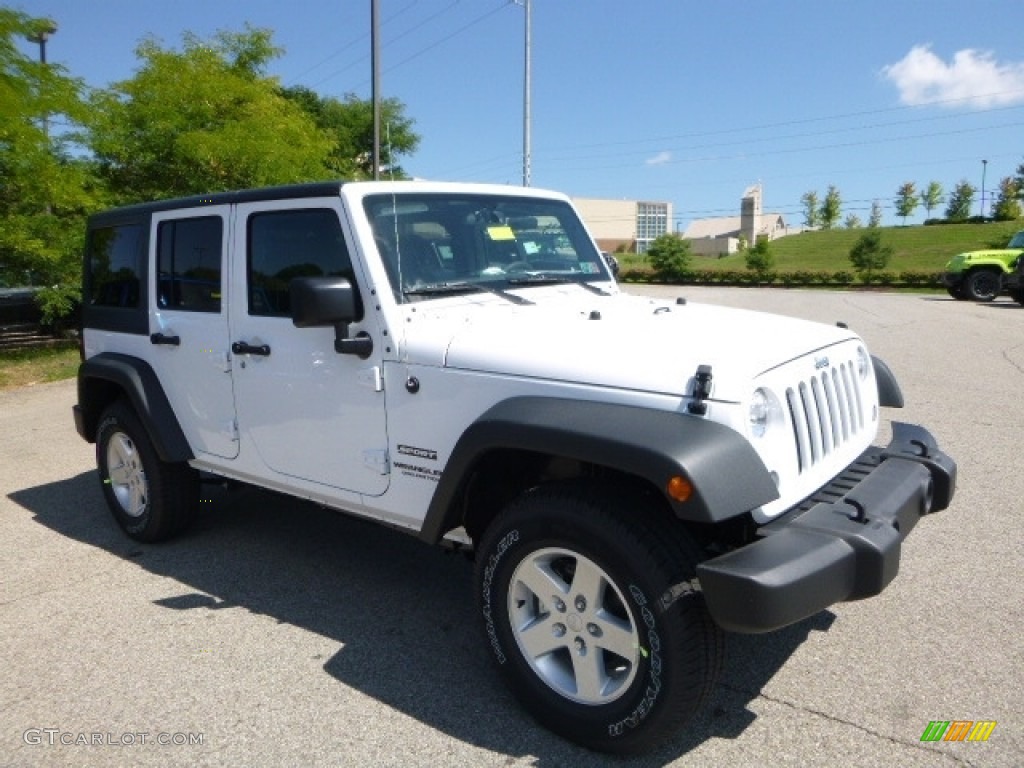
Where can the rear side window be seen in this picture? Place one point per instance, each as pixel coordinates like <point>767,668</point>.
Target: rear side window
<point>188,261</point>
<point>114,266</point>
<point>288,244</point>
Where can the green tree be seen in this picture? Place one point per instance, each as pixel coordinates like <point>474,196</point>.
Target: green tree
<point>203,119</point>
<point>809,200</point>
<point>831,208</point>
<point>1019,178</point>
<point>349,124</point>
<point>906,200</point>
<point>45,192</point>
<point>931,197</point>
<point>760,260</point>
<point>1007,207</point>
<point>960,201</point>
<point>852,221</point>
<point>669,255</point>
<point>868,254</point>
<point>875,219</point>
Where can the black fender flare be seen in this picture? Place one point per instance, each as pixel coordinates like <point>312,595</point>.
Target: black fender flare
<point>727,475</point>
<point>889,393</point>
<point>140,385</point>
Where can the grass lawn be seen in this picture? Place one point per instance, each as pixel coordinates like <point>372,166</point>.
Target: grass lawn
<point>917,248</point>
<point>36,366</point>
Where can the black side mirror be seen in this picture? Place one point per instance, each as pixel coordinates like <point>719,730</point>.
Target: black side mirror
<point>320,301</point>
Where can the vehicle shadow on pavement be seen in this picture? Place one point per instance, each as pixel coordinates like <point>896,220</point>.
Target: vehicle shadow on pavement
<point>402,612</point>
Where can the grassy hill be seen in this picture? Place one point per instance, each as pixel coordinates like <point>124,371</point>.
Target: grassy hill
<point>915,248</point>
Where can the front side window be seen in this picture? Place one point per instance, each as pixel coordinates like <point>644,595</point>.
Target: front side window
<point>288,244</point>
<point>436,243</point>
<point>114,264</point>
<point>188,261</point>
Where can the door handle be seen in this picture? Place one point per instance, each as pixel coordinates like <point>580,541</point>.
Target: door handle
<point>159,338</point>
<point>244,348</point>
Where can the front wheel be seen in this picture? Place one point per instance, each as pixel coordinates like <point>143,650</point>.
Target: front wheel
<point>982,285</point>
<point>151,499</point>
<point>592,612</point>
<point>1017,294</point>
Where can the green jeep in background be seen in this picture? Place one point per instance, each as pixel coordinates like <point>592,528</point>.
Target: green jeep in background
<point>979,275</point>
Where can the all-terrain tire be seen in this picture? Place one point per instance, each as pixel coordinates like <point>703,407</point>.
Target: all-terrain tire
<point>151,500</point>
<point>982,285</point>
<point>593,614</point>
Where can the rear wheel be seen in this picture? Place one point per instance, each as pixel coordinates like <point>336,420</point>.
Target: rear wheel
<point>982,285</point>
<point>594,616</point>
<point>1018,295</point>
<point>150,499</point>
<point>957,292</point>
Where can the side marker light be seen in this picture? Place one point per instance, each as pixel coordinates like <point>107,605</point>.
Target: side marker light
<point>679,488</point>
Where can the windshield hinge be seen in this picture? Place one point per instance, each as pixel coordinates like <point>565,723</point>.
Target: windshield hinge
<point>701,390</point>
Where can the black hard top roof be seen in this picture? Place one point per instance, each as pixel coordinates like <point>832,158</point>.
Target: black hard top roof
<point>287,191</point>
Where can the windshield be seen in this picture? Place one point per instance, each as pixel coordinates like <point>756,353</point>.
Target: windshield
<point>436,244</point>
<point>1017,241</point>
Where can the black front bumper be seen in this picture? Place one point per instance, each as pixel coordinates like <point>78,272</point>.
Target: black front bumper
<point>953,279</point>
<point>841,544</point>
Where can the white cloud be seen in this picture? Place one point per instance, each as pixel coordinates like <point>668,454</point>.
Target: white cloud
<point>659,159</point>
<point>973,78</point>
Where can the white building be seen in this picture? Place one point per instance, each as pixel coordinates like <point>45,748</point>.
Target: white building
<point>631,223</point>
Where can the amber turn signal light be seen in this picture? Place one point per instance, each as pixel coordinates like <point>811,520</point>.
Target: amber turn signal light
<point>679,488</point>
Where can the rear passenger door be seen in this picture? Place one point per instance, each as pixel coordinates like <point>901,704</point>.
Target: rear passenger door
<point>189,324</point>
<point>306,410</point>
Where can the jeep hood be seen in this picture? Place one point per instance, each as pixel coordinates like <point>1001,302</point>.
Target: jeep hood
<point>992,254</point>
<point>618,341</point>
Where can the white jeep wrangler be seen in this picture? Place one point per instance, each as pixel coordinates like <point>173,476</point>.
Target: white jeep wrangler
<point>633,475</point>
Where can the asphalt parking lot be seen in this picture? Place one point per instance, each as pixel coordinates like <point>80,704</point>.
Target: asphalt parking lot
<point>277,633</point>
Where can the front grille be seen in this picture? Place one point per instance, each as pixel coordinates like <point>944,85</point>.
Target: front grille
<point>825,412</point>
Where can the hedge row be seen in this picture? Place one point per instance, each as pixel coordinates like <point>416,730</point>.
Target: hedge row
<point>908,279</point>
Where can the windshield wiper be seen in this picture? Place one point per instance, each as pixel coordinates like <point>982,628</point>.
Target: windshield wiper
<point>553,280</point>
<point>437,289</point>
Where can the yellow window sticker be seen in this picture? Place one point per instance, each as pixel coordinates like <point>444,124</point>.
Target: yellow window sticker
<point>501,233</point>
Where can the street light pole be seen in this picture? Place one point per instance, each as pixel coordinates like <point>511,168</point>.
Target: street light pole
<point>41,35</point>
<point>527,88</point>
<point>984,168</point>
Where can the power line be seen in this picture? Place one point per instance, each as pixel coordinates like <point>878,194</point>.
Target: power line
<point>417,54</point>
<point>356,40</point>
<point>870,127</point>
<point>801,149</point>
<point>802,121</point>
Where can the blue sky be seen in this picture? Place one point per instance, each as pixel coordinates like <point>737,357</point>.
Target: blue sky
<point>689,102</point>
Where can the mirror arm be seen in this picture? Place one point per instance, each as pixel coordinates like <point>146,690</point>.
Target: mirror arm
<point>361,345</point>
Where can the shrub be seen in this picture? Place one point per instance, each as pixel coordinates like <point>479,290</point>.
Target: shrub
<point>914,278</point>
<point>669,256</point>
<point>868,254</point>
<point>58,304</point>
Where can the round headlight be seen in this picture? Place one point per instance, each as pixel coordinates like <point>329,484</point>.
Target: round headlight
<point>760,409</point>
<point>863,363</point>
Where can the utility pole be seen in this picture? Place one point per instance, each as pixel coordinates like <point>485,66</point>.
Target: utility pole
<point>375,56</point>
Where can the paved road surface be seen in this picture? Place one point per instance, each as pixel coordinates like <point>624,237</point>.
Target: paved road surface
<point>275,633</point>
